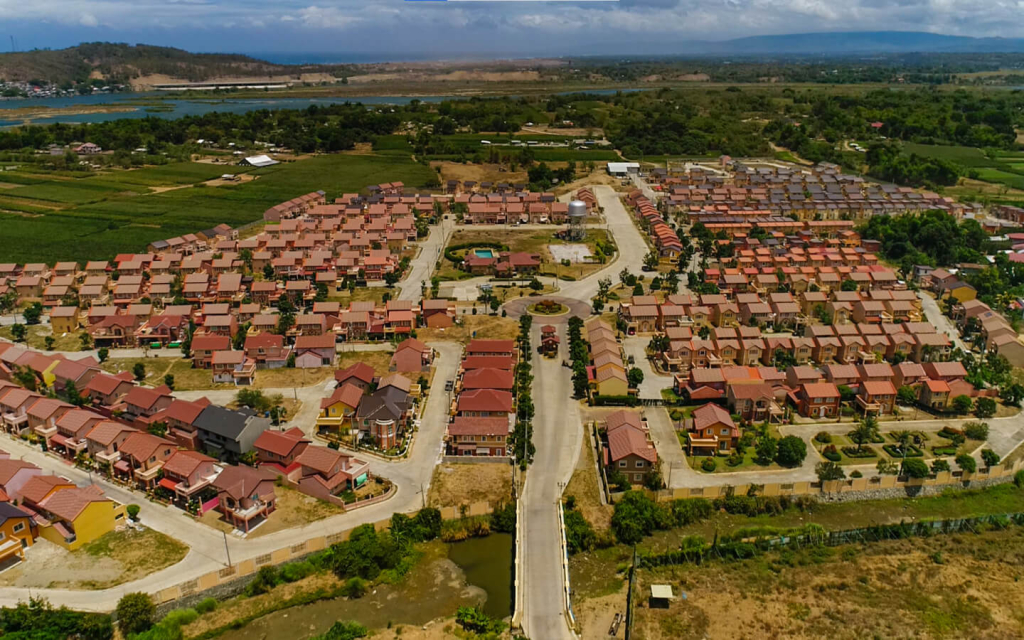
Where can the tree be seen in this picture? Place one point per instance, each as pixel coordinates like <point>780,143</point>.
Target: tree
<point>829,471</point>
<point>102,354</point>
<point>85,339</point>
<point>966,463</point>
<point>915,468</point>
<point>940,465</point>
<point>846,394</point>
<point>985,407</point>
<point>18,332</point>
<point>1012,394</point>
<point>848,285</point>
<point>391,278</point>
<point>635,377</point>
<point>766,449</point>
<point>864,432</point>
<point>989,457</point>
<point>135,613</point>
<point>906,396</point>
<point>133,511</point>
<point>33,312</point>
<point>169,381</point>
<point>962,404</point>
<point>888,467</point>
<point>651,261</point>
<point>638,290</point>
<point>139,371</point>
<point>791,451</point>
<point>49,341</point>
<point>344,630</point>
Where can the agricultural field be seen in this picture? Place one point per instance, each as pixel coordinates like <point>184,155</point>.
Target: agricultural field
<point>100,215</point>
<point>1003,167</point>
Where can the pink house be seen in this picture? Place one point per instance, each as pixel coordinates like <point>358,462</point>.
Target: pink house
<point>14,474</point>
<point>315,351</point>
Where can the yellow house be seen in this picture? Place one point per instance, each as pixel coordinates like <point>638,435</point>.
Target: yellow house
<point>962,292</point>
<point>611,381</point>
<point>78,516</point>
<point>64,320</point>
<point>336,411</point>
<point>16,531</point>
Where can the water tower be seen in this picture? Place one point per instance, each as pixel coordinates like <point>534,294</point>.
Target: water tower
<point>577,220</point>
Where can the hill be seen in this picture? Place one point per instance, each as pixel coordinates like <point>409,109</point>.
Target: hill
<point>115,63</point>
<point>855,42</point>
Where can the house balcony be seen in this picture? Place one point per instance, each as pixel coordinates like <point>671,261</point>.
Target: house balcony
<point>867,406</point>
<point>108,457</point>
<point>148,475</point>
<point>186,490</point>
<point>45,430</point>
<point>702,443</point>
<point>334,422</point>
<point>15,421</point>
<point>714,360</point>
<point>76,446</point>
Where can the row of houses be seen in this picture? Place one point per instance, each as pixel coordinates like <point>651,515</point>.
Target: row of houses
<point>483,406</point>
<point>510,208</point>
<point>607,370</point>
<point>375,410</point>
<point>648,314</point>
<point>818,194</point>
<point>760,393</point>
<point>664,239</point>
<point>975,317</point>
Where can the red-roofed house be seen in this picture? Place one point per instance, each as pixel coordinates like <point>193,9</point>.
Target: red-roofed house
<point>818,400</point>
<point>203,348</point>
<point>711,430</point>
<point>473,437</point>
<point>278,449</point>
<point>325,472</point>
<point>629,451</point>
<point>411,356</point>
<point>337,410</point>
<point>315,351</point>
<point>876,397</point>
<point>484,403</point>
<point>186,474</point>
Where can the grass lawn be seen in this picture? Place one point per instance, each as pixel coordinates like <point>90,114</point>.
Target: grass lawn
<point>585,486</point>
<point>140,553</point>
<point>749,463</point>
<point>459,484</point>
<point>379,360</point>
<point>362,294</point>
<point>36,338</point>
<point>294,509</point>
<point>185,377</point>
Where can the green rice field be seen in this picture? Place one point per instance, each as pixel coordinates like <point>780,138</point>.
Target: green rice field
<point>99,215</point>
<point>1005,167</point>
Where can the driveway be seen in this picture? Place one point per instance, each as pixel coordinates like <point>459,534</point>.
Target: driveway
<point>654,381</point>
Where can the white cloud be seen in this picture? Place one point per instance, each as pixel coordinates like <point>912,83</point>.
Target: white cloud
<point>88,20</point>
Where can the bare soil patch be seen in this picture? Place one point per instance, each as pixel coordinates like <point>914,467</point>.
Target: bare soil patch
<point>478,172</point>
<point>454,485</point>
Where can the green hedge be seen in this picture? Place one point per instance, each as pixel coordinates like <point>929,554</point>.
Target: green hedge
<point>615,401</point>
<point>894,451</point>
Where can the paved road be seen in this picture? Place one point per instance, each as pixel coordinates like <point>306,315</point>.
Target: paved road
<point>631,245</point>
<point>934,315</point>
<point>557,436</point>
<point>422,266</point>
<point>412,477</point>
<point>654,381</point>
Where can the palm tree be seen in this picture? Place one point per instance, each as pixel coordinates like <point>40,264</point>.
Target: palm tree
<point>864,432</point>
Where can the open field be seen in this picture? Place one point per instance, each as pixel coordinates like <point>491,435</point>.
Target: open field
<point>379,360</point>
<point>585,487</point>
<point>36,338</point>
<point>1005,168</point>
<point>187,378</point>
<point>293,509</point>
<point>482,327</point>
<point>928,585</point>
<point>459,484</point>
<point>113,559</point>
<point>103,214</point>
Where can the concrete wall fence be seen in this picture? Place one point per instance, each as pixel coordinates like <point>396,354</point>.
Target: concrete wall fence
<point>852,488</point>
<point>217,582</point>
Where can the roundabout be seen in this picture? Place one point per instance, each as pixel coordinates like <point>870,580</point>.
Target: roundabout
<point>566,308</point>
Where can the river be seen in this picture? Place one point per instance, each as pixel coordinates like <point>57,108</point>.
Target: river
<point>156,104</point>
<point>476,572</point>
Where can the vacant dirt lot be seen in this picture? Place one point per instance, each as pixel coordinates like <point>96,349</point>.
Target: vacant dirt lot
<point>485,328</point>
<point>458,484</point>
<point>478,172</point>
<point>294,509</point>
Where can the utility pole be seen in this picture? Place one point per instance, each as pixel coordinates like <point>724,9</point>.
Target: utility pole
<point>423,497</point>
<point>226,550</point>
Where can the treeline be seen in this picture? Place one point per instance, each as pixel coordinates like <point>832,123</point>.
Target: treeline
<point>887,162</point>
<point>931,238</point>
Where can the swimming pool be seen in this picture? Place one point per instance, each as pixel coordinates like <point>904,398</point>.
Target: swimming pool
<point>483,253</point>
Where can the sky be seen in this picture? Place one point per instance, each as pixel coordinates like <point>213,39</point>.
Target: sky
<point>400,29</point>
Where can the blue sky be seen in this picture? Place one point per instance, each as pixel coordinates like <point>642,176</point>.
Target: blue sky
<point>393,29</point>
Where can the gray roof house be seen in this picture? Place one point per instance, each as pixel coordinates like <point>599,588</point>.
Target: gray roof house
<point>228,431</point>
<point>384,405</point>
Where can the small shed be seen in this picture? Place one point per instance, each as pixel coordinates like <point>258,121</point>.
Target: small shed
<point>661,596</point>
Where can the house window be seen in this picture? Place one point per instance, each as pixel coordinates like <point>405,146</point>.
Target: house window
<point>19,527</point>
<point>622,463</point>
<point>639,464</point>
<point>725,431</point>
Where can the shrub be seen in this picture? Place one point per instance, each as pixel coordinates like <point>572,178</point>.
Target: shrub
<point>823,437</point>
<point>135,612</point>
<point>831,453</point>
<point>915,468</point>
<point>856,474</point>
<point>735,459</point>
<point>207,605</point>
<point>990,457</point>
<point>1018,479</point>
<point>344,630</point>
<point>133,511</point>
<point>976,430</point>
<point>938,466</point>
<point>985,407</point>
<point>266,579</point>
<point>791,451</point>
<point>296,571</point>
<point>708,465</point>
<point>854,452</point>
<point>579,535</point>
<point>354,588</point>
<point>967,463</point>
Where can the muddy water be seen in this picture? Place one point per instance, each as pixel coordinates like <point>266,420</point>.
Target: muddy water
<point>475,573</point>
